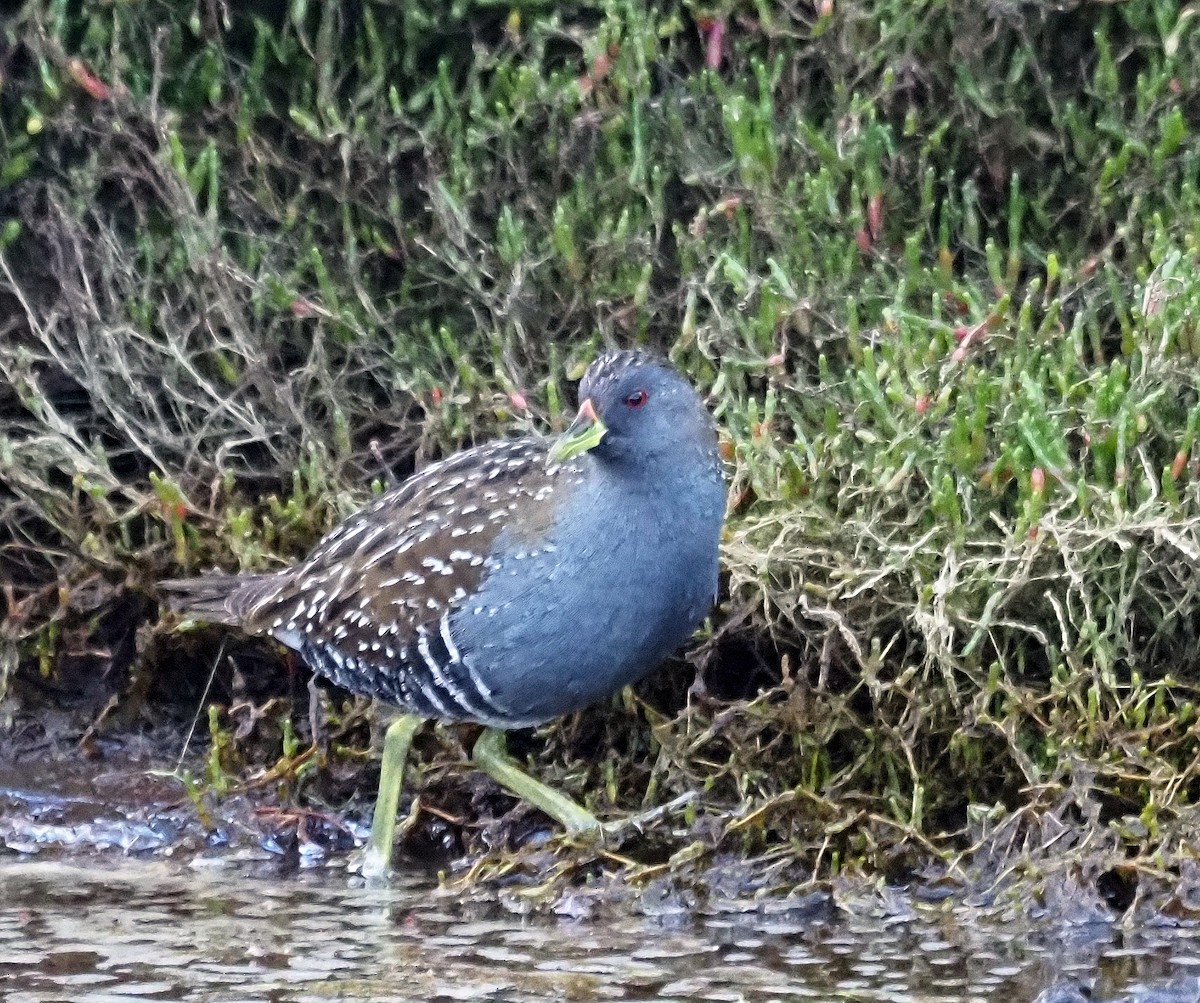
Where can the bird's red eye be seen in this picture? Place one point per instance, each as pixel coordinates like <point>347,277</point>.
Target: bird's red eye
<point>637,398</point>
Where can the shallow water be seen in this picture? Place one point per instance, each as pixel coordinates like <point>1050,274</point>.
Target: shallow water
<point>153,930</point>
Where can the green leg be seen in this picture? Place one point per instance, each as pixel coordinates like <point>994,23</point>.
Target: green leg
<point>396,743</point>
<point>491,756</point>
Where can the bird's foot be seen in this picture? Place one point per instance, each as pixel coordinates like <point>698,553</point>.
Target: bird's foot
<point>370,861</point>
<point>621,827</point>
<point>491,756</point>
<point>376,859</point>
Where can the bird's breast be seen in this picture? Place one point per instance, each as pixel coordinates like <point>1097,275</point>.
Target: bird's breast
<point>563,622</point>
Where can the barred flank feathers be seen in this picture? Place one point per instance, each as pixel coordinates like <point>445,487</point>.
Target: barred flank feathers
<point>217,598</point>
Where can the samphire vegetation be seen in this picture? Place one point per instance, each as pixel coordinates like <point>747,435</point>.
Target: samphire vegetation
<point>937,264</point>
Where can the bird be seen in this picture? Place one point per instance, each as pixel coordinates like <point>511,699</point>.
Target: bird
<point>510,583</point>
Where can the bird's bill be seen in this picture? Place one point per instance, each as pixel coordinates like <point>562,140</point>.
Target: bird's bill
<point>584,433</point>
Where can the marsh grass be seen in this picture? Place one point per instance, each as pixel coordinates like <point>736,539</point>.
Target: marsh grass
<point>936,267</point>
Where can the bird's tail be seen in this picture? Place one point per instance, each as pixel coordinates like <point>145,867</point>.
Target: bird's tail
<point>228,599</point>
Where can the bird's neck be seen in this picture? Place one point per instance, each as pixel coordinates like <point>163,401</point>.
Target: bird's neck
<point>671,473</point>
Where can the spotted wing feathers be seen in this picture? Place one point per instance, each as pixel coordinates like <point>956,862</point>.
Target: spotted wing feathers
<point>371,606</point>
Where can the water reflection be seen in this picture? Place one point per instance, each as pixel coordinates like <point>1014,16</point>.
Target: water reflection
<point>158,931</point>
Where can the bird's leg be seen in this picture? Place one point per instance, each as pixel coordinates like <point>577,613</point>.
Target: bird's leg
<point>396,743</point>
<point>491,756</point>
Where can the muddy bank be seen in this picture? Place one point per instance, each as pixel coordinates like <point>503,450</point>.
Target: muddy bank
<point>117,801</point>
